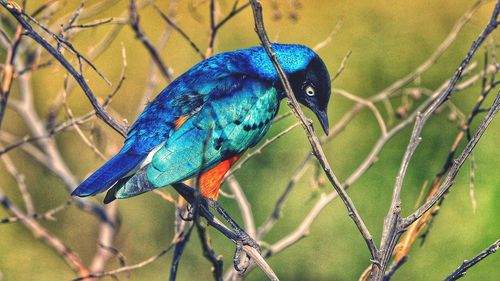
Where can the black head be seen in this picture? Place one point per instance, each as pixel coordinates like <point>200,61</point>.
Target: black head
<point>312,88</point>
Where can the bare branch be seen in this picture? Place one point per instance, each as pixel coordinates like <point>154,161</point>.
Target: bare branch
<point>70,257</point>
<point>181,32</point>
<point>461,270</point>
<point>139,33</point>
<point>214,27</point>
<point>243,204</point>
<point>259,150</point>
<point>328,39</point>
<point>127,268</point>
<point>101,112</point>
<point>21,183</point>
<point>370,105</point>
<point>392,231</point>
<point>434,57</point>
<point>48,215</point>
<point>209,252</point>
<point>107,233</point>
<point>342,66</point>
<point>457,163</point>
<point>183,238</point>
<point>8,75</point>
<point>308,129</point>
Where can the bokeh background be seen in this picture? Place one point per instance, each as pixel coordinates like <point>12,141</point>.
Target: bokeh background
<point>388,39</point>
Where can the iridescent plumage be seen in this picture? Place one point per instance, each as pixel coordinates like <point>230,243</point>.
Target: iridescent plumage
<point>205,119</point>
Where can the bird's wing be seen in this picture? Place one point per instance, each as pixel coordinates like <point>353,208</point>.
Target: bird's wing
<point>236,116</point>
<point>181,99</point>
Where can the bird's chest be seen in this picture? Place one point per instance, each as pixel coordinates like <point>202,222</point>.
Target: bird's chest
<point>253,125</point>
<point>236,123</point>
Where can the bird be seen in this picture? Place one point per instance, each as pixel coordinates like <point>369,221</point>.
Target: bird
<point>206,119</point>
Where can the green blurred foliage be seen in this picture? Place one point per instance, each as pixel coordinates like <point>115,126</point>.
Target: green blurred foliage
<point>388,39</point>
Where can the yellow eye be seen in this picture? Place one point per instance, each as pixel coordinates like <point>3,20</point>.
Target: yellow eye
<point>310,91</point>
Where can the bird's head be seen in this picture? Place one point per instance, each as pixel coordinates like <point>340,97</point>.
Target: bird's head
<point>311,86</point>
<point>305,70</point>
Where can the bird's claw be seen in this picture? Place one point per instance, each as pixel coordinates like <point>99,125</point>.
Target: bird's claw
<point>189,215</point>
<point>241,262</point>
<point>245,239</point>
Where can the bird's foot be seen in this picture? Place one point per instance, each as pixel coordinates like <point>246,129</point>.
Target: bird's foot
<point>241,260</point>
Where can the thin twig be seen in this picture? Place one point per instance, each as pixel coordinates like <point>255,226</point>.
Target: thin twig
<point>461,270</point>
<point>69,256</point>
<point>214,27</point>
<point>183,237</point>
<point>330,36</point>
<point>180,31</point>
<point>434,57</point>
<point>21,183</point>
<point>341,67</point>
<point>243,204</point>
<point>141,36</point>
<point>101,112</point>
<point>79,131</point>
<point>209,252</point>
<point>127,268</point>
<point>48,215</point>
<point>259,150</point>
<point>8,73</point>
<point>152,76</point>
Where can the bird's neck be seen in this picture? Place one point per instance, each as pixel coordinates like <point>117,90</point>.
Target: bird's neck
<point>280,90</point>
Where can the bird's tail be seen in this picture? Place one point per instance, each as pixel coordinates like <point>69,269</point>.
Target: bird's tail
<point>116,168</point>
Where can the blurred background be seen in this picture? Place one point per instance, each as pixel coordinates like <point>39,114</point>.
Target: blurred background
<point>388,40</point>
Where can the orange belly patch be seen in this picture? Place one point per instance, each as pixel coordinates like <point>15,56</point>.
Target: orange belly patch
<point>210,180</point>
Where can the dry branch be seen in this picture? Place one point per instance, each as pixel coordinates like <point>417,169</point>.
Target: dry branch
<point>69,256</point>
<point>29,31</point>
<point>394,225</point>
<point>308,129</point>
<point>461,270</point>
<point>47,153</point>
<point>141,36</point>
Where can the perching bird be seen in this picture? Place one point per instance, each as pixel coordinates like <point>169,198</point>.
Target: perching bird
<point>207,118</point>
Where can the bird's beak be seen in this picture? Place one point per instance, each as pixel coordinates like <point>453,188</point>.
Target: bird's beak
<point>323,120</point>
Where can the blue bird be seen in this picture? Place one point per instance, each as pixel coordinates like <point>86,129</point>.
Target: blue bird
<point>207,118</point>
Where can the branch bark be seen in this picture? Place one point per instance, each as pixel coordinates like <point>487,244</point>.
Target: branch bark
<point>461,270</point>
<point>394,225</point>
<point>309,131</point>
<point>101,112</point>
